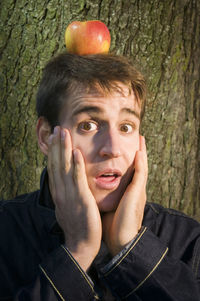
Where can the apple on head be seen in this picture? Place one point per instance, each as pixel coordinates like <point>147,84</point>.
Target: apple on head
<point>88,37</point>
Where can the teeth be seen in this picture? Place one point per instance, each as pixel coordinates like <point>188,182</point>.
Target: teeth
<point>109,175</point>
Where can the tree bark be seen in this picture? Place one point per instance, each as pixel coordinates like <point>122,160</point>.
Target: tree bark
<point>162,38</point>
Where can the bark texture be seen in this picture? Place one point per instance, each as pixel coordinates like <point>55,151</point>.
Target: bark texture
<point>162,38</point>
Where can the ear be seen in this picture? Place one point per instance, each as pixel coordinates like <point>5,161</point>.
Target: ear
<point>43,129</point>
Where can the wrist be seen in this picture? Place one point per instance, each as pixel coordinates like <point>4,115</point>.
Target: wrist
<point>83,255</point>
<point>117,246</point>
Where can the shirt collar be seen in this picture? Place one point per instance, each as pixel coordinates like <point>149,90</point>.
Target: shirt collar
<point>45,198</point>
<point>46,204</point>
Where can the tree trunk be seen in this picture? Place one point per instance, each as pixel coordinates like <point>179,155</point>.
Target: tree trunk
<point>162,38</point>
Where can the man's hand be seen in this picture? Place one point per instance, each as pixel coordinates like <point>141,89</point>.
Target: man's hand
<point>121,226</point>
<point>75,207</point>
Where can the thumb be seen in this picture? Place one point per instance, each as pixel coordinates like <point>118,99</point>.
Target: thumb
<point>140,164</point>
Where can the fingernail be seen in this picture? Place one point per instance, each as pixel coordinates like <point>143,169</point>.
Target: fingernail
<point>63,134</point>
<point>50,139</point>
<point>55,131</point>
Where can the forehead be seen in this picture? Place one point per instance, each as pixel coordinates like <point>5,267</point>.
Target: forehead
<point>100,101</point>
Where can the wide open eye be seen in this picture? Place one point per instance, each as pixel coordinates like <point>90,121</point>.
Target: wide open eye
<point>126,128</point>
<point>88,126</point>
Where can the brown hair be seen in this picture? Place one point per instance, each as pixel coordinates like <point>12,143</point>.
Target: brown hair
<point>67,73</point>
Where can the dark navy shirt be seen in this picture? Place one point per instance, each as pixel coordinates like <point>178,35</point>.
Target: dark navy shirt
<point>161,263</point>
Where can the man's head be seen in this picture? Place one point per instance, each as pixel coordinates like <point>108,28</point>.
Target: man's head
<point>68,74</point>
<point>100,99</point>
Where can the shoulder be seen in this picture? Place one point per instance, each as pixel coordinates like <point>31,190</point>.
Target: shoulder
<point>166,215</point>
<point>24,199</point>
<point>179,232</point>
<point>175,229</point>
<point>18,208</point>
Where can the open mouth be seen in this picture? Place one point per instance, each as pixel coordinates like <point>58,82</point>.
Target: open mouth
<point>109,177</point>
<point>108,180</point>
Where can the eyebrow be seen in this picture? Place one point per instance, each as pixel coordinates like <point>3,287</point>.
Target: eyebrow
<point>93,109</point>
<point>87,109</point>
<point>132,112</point>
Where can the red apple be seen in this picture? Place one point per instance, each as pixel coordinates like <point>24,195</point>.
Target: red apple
<point>88,37</point>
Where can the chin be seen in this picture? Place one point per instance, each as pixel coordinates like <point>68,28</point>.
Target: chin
<point>109,202</point>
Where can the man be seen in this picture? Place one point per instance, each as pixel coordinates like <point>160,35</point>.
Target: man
<point>88,233</point>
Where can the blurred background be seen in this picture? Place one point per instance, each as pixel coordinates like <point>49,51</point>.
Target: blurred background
<point>163,40</point>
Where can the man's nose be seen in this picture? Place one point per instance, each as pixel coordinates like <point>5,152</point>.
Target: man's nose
<point>110,145</point>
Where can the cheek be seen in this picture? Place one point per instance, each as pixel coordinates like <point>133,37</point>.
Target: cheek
<point>84,145</point>
<point>130,157</point>
<point>131,148</point>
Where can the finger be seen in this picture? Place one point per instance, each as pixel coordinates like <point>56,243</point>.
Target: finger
<point>66,157</point>
<point>143,149</point>
<point>140,163</point>
<point>137,188</point>
<point>56,153</point>
<point>66,150</point>
<point>79,171</point>
<point>54,166</point>
<point>49,169</point>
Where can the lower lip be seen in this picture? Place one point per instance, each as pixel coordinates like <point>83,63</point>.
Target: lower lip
<point>108,183</point>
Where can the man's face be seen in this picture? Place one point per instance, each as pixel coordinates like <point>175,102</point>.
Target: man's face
<point>106,130</point>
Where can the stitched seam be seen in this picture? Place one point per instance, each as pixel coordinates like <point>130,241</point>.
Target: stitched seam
<point>52,283</point>
<point>155,267</point>
<point>154,209</point>
<point>141,234</point>
<point>194,260</point>
<point>173,212</point>
<point>85,277</point>
<point>197,266</point>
